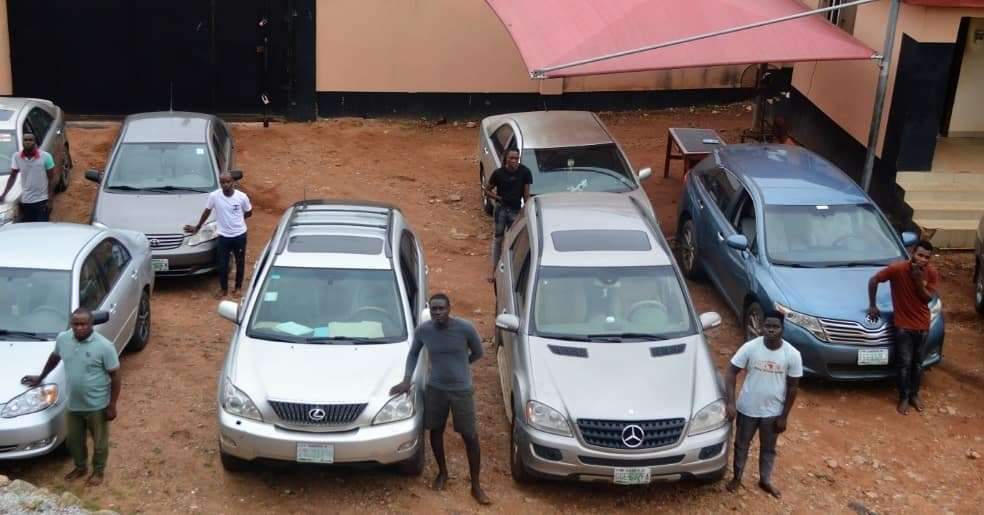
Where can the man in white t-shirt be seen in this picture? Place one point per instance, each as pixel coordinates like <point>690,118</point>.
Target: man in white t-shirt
<point>232,208</point>
<point>772,370</point>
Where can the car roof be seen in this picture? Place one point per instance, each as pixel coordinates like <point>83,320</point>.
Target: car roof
<point>15,104</point>
<point>602,212</point>
<point>790,175</point>
<point>167,127</point>
<point>23,248</point>
<point>555,129</point>
<point>323,219</point>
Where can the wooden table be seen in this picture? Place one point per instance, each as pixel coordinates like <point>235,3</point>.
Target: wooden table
<point>693,145</point>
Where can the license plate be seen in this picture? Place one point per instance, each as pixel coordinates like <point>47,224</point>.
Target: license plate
<point>872,357</point>
<point>159,265</point>
<point>315,453</point>
<point>632,476</point>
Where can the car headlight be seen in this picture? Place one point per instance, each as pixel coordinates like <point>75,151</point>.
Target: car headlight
<point>237,403</point>
<point>34,400</point>
<point>935,308</point>
<point>709,418</point>
<point>810,323</point>
<point>400,407</point>
<point>547,419</point>
<point>208,232</point>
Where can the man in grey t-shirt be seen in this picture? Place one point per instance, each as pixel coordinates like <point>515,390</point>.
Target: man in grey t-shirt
<point>452,345</point>
<point>37,171</point>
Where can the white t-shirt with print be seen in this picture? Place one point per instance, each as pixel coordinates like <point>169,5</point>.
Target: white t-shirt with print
<point>763,394</point>
<point>229,212</point>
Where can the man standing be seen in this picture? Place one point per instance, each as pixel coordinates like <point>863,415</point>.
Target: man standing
<point>92,372</point>
<point>453,345</point>
<point>913,283</point>
<point>38,169</point>
<point>512,187</point>
<point>772,370</point>
<point>232,208</point>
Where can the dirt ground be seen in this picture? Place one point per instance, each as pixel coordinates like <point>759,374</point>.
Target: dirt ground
<point>845,451</point>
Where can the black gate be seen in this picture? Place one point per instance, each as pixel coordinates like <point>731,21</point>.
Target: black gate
<point>125,56</point>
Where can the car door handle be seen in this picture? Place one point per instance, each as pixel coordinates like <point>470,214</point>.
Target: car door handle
<point>720,236</point>
<point>133,275</point>
<point>700,205</point>
<point>112,308</point>
<point>486,149</point>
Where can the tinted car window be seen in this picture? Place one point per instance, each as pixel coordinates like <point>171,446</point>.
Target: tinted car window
<point>829,236</point>
<point>92,289</point>
<point>501,138</point>
<point>590,168</point>
<point>40,122</point>
<point>36,301</point>
<point>162,165</point>
<point>722,187</point>
<point>583,240</point>
<point>338,244</point>
<point>112,258</point>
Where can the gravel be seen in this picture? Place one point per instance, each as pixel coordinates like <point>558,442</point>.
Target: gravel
<point>20,497</point>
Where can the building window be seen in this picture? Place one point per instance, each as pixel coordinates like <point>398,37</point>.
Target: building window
<point>843,18</point>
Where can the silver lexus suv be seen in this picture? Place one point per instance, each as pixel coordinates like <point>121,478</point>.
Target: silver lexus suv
<point>605,372</point>
<point>323,333</point>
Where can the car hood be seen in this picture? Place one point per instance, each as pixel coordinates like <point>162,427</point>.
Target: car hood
<point>318,373</point>
<point>840,293</point>
<point>150,214</point>
<point>617,381</point>
<point>18,359</point>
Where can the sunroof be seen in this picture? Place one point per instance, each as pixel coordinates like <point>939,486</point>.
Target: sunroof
<point>335,244</point>
<point>600,239</point>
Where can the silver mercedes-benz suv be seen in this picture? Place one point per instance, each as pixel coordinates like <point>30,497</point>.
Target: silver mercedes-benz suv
<point>323,333</point>
<point>605,372</point>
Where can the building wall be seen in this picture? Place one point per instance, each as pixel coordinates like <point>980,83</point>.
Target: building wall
<point>6,79</point>
<point>968,103</point>
<point>452,46</point>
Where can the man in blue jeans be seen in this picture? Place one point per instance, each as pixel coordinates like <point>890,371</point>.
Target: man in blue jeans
<point>512,187</point>
<point>232,208</point>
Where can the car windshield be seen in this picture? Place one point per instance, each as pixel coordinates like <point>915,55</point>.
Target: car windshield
<point>162,168</point>
<point>8,146</point>
<point>591,168</point>
<point>829,236</point>
<point>318,305</point>
<point>610,304</point>
<point>34,304</point>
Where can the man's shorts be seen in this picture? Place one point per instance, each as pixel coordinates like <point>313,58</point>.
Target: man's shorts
<point>504,218</point>
<point>438,402</point>
<point>34,212</point>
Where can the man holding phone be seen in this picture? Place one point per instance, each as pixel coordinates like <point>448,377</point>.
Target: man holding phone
<point>913,284</point>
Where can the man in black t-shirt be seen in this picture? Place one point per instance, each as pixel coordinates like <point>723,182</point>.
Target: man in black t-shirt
<point>512,187</point>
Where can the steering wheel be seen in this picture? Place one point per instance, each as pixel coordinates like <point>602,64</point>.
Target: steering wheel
<point>49,309</point>
<point>847,237</point>
<point>643,304</point>
<point>386,315</point>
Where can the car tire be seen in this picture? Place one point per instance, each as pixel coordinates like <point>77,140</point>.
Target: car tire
<point>414,466</point>
<point>487,204</point>
<point>979,288</point>
<point>687,250</point>
<point>520,473</point>
<point>752,321</point>
<point>65,177</point>
<point>231,463</point>
<point>141,329</point>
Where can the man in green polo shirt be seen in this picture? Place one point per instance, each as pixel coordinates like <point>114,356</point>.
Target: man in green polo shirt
<point>92,371</point>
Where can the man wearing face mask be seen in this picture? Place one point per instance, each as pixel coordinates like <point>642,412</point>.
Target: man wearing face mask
<point>232,208</point>
<point>37,168</point>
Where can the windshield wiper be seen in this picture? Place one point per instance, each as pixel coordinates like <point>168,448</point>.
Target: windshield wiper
<point>25,334</point>
<point>852,264</point>
<point>173,188</point>
<point>343,339</point>
<point>123,187</point>
<point>792,265</point>
<point>620,336</point>
<point>567,337</point>
<point>272,337</point>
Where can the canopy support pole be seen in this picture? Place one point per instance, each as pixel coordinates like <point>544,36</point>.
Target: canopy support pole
<point>876,115</point>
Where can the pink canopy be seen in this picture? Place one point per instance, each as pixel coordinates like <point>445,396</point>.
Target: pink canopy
<point>554,32</point>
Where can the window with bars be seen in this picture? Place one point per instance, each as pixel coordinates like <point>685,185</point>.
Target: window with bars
<point>843,18</point>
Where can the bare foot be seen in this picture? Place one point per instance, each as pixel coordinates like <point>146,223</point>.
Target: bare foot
<point>903,407</point>
<point>76,473</point>
<point>733,485</point>
<point>916,403</point>
<point>439,481</point>
<point>771,490</point>
<point>480,496</point>
<point>95,479</point>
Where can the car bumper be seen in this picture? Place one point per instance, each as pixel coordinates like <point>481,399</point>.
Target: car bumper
<point>32,435</point>
<point>383,444</point>
<point>575,461</point>
<point>839,362</point>
<point>186,260</point>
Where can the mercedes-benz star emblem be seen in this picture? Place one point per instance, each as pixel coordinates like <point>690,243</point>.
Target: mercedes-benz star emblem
<point>316,414</point>
<point>632,436</point>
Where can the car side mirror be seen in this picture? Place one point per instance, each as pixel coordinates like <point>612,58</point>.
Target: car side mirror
<point>425,315</point>
<point>237,175</point>
<point>229,310</point>
<point>909,238</point>
<point>645,173</point>
<point>94,175</point>
<point>100,317</point>
<point>738,242</point>
<point>507,322</point>
<point>710,320</point>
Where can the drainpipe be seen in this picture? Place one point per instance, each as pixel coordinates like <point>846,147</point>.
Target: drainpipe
<point>876,115</point>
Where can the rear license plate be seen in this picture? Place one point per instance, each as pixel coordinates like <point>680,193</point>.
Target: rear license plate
<point>872,357</point>
<point>315,453</point>
<point>159,265</point>
<point>632,476</point>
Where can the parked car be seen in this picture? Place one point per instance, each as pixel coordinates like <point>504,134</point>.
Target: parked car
<point>47,270</point>
<point>47,122</point>
<point>605,372</point>
<point>780,227</point>
<point>979,267</point>
<point>564,150</point>
<point>323,334</point>
<point>158,178</point>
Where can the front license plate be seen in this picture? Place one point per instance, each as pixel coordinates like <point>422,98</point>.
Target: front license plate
<point>872,357</point>
<point>315,453</point>
<point>159,265</point>
<point>632,476</point>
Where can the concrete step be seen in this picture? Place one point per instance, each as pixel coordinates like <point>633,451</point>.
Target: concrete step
<point>943,193</point>
<point>949,234</point>
<point>907,179</point>
<point>948,210</point>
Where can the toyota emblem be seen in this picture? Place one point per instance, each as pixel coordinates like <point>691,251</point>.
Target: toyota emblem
<point>632,436</point>
<point>154,242</point>
<point>316,414</point>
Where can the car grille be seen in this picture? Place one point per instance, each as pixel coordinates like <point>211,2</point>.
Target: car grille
<point>165,241</point>
<point>853,333</point>
<point>608,433</point>
<point>334,414</point>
